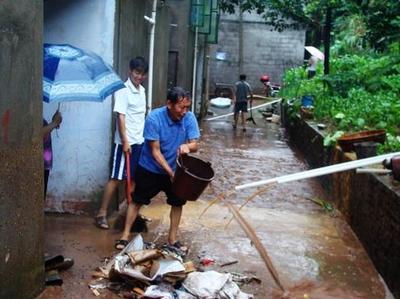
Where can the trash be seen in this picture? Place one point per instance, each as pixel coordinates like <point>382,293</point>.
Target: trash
<point>138,291</point>
<point>98,285</point>
<point>206,261</point>
<point>95,292</point>
<point>150,271</point>
<point>166,291</point>
<point>212,284</point>
<point>172,254</point>
<point>240,278</point>
<point>136,244</point>
<point>142,256</point>
<point>177,249</point>
<point>189,267</point>
<point>229,263</point>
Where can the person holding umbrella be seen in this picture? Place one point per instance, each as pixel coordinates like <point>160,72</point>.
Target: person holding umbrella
<point>47,148</point>
<point>316,55</point>
<point>130,106</point>
<point>312,67</point>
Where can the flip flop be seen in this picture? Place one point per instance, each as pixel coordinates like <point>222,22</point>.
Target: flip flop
<point>58,262</point>
<point>53,278</point>
<point>101,222</point>
<point>51,262</point>
<point>177,248</point>
<point>121,244</point>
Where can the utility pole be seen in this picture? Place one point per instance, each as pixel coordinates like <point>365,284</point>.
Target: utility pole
<point>206,96</point>
<point>240,39</point>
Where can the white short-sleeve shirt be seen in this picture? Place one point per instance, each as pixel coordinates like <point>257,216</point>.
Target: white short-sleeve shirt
<point>131,102</point>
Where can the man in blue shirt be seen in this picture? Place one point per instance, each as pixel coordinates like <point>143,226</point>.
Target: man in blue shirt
<point>240,98</point>
<point>169,131</point>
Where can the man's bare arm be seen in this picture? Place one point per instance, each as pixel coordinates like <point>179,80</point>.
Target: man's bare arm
<point>159,157</point>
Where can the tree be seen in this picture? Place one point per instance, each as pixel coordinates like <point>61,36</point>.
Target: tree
<point>380,19</point>
<point>312,15</point>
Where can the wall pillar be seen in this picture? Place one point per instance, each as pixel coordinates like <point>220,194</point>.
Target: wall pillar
<point>21,158</point>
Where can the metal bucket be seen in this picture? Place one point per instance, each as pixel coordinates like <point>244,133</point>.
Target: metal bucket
<point>191,177</point>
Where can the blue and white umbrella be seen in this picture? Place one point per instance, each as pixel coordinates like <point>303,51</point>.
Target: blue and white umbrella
<point>71,74</point>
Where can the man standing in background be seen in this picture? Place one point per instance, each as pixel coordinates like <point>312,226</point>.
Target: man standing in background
<point>240,98</point>
<point>130,106</point>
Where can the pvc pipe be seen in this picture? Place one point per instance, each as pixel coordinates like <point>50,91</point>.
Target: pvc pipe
<point>373,170</point>
<point>320,171</point>
<point>196,37</point>
<point>256,107</point>
<point>152,22</point>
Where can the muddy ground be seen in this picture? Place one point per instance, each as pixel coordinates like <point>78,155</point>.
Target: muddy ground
<point>304,241</point>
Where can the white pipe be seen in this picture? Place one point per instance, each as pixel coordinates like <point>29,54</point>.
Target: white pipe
<point>152,22</point>
<point>256,107</point>
<point>320,171</point>
<point>196,37</point>
<point>373,170</point>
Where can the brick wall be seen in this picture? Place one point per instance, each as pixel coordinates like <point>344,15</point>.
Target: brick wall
<point>264,51</point>
<point>370,203</point>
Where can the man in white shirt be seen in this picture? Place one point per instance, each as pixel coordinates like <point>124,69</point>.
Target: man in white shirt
<point>130,106</point>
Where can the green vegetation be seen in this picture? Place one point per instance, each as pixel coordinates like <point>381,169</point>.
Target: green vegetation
<point>360,88</point>
<point>362,92</point>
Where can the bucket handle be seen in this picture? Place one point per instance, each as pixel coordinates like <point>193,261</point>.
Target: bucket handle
<point>181,162</point>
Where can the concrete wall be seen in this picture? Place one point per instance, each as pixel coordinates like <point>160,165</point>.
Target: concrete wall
<point>21,158</point>
<point>370,203</point>
<point>117,31</point>
<point>134,37</point>
<point>264,51</point>
<point>161,47</point>
<point>82,148</point>
<point>181,40</point>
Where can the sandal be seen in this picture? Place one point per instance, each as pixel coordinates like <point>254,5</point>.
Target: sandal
<point>177,247</point>
<point>121,244</point>
<point>101,222</point>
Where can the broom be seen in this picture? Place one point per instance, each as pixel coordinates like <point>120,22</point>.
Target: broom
<point>140,224</point>
<point>251,112</point>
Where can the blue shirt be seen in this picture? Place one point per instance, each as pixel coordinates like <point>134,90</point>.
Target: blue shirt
<point>171,134</point>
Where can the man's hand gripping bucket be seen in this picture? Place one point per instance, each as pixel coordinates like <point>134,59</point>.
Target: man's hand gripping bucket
<point>191,177</point>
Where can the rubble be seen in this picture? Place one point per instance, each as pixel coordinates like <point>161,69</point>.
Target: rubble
<point>159,273</point>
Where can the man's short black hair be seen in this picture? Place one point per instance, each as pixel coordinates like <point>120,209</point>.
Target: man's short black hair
<point>242,77</point>
<point>140,64</point>
<point>175,94</point>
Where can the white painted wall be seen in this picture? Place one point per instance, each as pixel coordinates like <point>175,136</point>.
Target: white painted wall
<point>82,148</point>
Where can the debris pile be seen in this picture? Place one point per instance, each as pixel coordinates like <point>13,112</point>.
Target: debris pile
<point>143,271</point>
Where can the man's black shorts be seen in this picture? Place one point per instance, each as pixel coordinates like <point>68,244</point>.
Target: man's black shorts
<point>240,106</point>
<point>149,184</point>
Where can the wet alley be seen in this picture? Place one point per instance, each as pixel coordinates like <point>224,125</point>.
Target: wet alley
<point>304,241</point>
